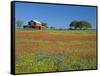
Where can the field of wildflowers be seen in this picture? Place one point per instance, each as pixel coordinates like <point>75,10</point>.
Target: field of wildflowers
<point>54,50</point>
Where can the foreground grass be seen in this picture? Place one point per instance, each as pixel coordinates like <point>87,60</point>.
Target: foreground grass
<point>53,50</point>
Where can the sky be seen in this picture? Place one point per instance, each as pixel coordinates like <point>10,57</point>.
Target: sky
<point>58,16</point>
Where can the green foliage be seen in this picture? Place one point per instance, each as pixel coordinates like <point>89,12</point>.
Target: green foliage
<point>19,23</point>
<point>73,24</point>
<point>44,24</point>
<point>52,27</point>
<point>80,25</point>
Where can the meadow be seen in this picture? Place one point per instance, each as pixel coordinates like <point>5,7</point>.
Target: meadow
<point>54,50</point>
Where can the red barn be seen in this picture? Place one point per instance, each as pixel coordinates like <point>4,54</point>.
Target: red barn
<point>34,24</point>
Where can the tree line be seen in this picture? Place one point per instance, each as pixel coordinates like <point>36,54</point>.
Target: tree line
<point>73,25</point>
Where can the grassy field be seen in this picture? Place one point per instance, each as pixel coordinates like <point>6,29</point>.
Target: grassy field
<point>54,50</point>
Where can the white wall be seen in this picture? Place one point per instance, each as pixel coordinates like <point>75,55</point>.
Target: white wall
<point>5,38</point>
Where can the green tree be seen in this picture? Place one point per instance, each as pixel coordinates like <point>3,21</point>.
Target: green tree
<point>80,25</point>
<point>86,24</point>
<point>44,24</point>
<point>52,27</point>
<point>19,23</point>
<point>73,24</point>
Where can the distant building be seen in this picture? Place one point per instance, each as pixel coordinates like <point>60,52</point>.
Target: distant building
<point>34,24</point>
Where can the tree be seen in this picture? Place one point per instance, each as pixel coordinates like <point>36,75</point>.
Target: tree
<point>44,24</point>
<point>80,25</point>
<point>19,23</point>
<point>52,27</point>
<point>86,24</point>
<point>73,24</point>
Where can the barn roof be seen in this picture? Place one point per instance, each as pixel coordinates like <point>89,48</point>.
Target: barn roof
<point>37,21</point>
